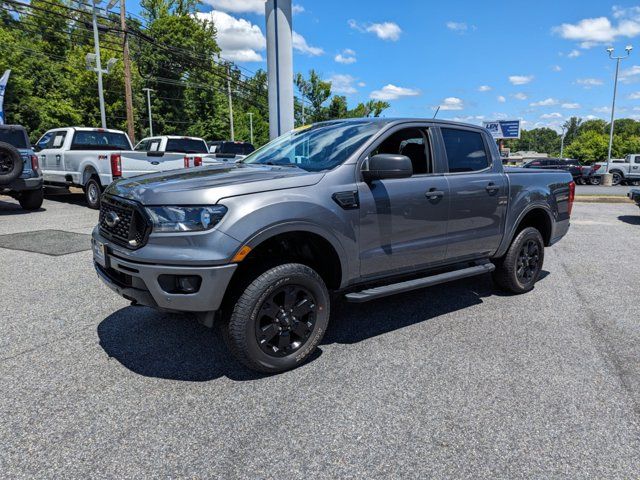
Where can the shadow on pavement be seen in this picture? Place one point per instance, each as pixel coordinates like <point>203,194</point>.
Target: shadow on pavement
<point>177,347</point>
<point>630,219</point>
<point>65,196</point>
<point>14,208</point>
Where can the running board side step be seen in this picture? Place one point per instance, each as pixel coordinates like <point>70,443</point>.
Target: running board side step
<point>394,288</point>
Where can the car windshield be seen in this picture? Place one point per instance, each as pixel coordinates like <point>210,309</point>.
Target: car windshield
<point>318,147</point>
<point>100,140</point>
<point>14,137</point>
<point>186,145</point>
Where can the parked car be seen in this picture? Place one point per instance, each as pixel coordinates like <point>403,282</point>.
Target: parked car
<point>574,167</point>
<point>364,208</point>
<point>173,144</point>
<point>227,151</point>
<point>92,158</point>
<point>634,194</point>
<point>625,170</point>
<point>20,175</point>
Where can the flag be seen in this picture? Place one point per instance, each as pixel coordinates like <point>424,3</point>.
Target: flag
<point>3,86</point>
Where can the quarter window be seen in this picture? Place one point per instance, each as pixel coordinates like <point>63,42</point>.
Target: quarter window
<point>465,149</point>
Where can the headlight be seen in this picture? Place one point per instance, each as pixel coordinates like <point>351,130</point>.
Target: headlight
<point>185,219</point>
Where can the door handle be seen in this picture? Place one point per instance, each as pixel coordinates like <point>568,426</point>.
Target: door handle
<point>434,194</point>
<point>492,188</point>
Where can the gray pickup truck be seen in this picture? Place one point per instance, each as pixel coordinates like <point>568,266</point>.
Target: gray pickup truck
<point>361,208</point>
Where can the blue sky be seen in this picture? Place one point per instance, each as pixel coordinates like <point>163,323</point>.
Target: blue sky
<point>540,61</point>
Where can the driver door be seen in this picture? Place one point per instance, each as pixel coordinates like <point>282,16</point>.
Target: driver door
<point>403,221</point>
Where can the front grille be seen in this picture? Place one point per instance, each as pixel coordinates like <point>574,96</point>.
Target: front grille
<point>131,228</point>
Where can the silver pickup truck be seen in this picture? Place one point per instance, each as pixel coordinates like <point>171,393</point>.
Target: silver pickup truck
<point>625,170</point>
<point>92,158</point>
<point>361,208</point>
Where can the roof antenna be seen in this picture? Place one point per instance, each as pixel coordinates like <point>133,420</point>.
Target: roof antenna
<point>437,110</point>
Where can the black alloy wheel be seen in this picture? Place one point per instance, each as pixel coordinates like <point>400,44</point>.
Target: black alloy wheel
<point>528,261</point>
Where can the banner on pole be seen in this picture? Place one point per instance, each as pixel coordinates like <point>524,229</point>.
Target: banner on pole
<point>3,86</point>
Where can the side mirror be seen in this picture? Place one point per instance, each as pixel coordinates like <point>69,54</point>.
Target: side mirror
<point>388,165</point>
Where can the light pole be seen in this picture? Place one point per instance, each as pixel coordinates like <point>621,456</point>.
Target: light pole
<point>627,49</point>
<point>149,90</point>
<point>562,142</point>
<point>233,136</point>
<point>251,126</point>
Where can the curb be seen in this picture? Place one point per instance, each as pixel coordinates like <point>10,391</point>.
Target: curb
<point>602,199</point>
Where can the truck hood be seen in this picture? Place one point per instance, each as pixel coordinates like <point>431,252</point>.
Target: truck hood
<point>207,185</point>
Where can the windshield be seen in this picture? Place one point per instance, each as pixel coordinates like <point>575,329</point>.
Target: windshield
<point>186,145</point>
<point>100,140</point>
<point>14,137</point>
<point>318,147</point>
<point>236,148</point>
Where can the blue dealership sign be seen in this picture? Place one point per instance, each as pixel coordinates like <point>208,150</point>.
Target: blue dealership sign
<point>503,128</point>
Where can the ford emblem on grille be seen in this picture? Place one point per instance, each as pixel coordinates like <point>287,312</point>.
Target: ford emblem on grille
<point>111,219</point>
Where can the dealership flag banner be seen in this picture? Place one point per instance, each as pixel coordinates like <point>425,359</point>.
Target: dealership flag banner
<point>3,86</point>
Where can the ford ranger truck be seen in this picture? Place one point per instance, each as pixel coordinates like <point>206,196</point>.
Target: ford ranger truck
<point>359,208</point>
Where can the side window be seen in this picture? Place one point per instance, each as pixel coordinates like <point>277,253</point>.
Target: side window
<point>44,140</point>
<point>154,145</point>
<point>412,142</point>
<point>142,146</point>
<point>465,149</point>
<point>58,139</point>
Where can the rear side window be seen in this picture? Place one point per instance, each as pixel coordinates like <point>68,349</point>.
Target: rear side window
<point>236,148</point>
<point>142,146</point>
<point>14,137</point>
<point>97,140</point>
<point>186,145</point>
<point>465,149</point>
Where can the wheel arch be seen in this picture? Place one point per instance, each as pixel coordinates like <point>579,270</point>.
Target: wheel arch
<point>538,216</point>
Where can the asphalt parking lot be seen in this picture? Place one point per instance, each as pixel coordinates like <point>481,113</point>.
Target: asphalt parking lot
<point>453,381</point>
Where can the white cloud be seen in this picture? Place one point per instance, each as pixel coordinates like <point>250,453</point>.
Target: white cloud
<point>347,57</point>
<point>520,79</point>
<point>589,82</point>
<point>484,88</point>
<point>342,84</point>
<point>570,106</point>
<point>547,102</point>
<point>362,84</point>
<point>551,115</point>
<point>574,54</point>
<point>392,92</point>
<point>296,8</point>
<point>300,44</point>
<point>634,96</point>
<point>556,68</point>
<point>239,40</point>
<point>452,103</point>
<point>459,27</point>
<point>602,109</point>
<point>520,96</point>
<point>501,99</point>
<point>385,30</point>
<point>601,30</point>
<point>630,74</point>
<point>238,6</point>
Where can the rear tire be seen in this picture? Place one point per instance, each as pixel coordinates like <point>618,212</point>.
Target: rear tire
<point>616,178</point>
<point>519,269</point>
<point>31,199</point>
<point>279,319</point>
<point>10,163</point>
<point>595,180</point>
<point>92,191</point>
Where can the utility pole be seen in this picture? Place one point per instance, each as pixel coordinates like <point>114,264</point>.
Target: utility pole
<point>233,137</point>
<point>149,90</point>
<point>96,44</point>
<point>610,50</point>
<point>251,126</point>
<point>128,97</point>
<point>562,142</point>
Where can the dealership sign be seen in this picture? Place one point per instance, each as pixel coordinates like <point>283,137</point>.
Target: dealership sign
<point>503,128</point>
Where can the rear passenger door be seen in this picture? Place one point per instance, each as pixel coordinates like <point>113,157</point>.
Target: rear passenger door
<point>478,193</point>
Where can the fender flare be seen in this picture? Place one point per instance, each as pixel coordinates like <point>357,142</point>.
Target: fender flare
<point>508,238</point>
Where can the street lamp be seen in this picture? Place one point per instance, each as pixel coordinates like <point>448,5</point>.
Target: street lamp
<point>562,141</point>
<point>149,90</point>
<point>610,50</point>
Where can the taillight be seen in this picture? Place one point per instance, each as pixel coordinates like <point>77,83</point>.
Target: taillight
<point>572,195</point>
<point>116,165</point>
<point>186,162</point>
<point>34,163</point>
<point>197,161</point>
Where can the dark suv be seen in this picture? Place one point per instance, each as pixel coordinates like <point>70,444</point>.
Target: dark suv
<point>574,167</point>
<point>20,175</point>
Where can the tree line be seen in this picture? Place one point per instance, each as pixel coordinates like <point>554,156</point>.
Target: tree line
<point>587,140</point>
<point>173,52</point>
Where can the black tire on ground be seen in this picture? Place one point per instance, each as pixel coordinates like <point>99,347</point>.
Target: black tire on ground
<point>595,180</point>
<point>581,181</point>
<point>31,199</point>
<point>279,319</point>
<point>520,268</point>
<point>617,178</point>
<point>92,191</point>
<point>10,163</point>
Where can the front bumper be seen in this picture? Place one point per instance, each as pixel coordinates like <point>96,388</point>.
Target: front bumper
<point>139,282</point>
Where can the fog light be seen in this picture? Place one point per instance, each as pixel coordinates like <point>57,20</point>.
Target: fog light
<point>180,284</point>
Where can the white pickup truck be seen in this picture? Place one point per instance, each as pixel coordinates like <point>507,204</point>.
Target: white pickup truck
<point>625,170</point>
<point>92,158</point>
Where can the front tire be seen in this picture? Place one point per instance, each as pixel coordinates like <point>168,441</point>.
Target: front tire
<point>519,269</point>
<point>279,319</point>
<point>616,179</point>
<point>595,180</point>
<point>31,199</point>
<point>92,191</point>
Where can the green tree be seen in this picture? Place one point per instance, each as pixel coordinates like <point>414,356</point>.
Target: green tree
<point>317,91</point>
<point>572,128</point>
<point>596,125</point>
<point>590,146</point>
